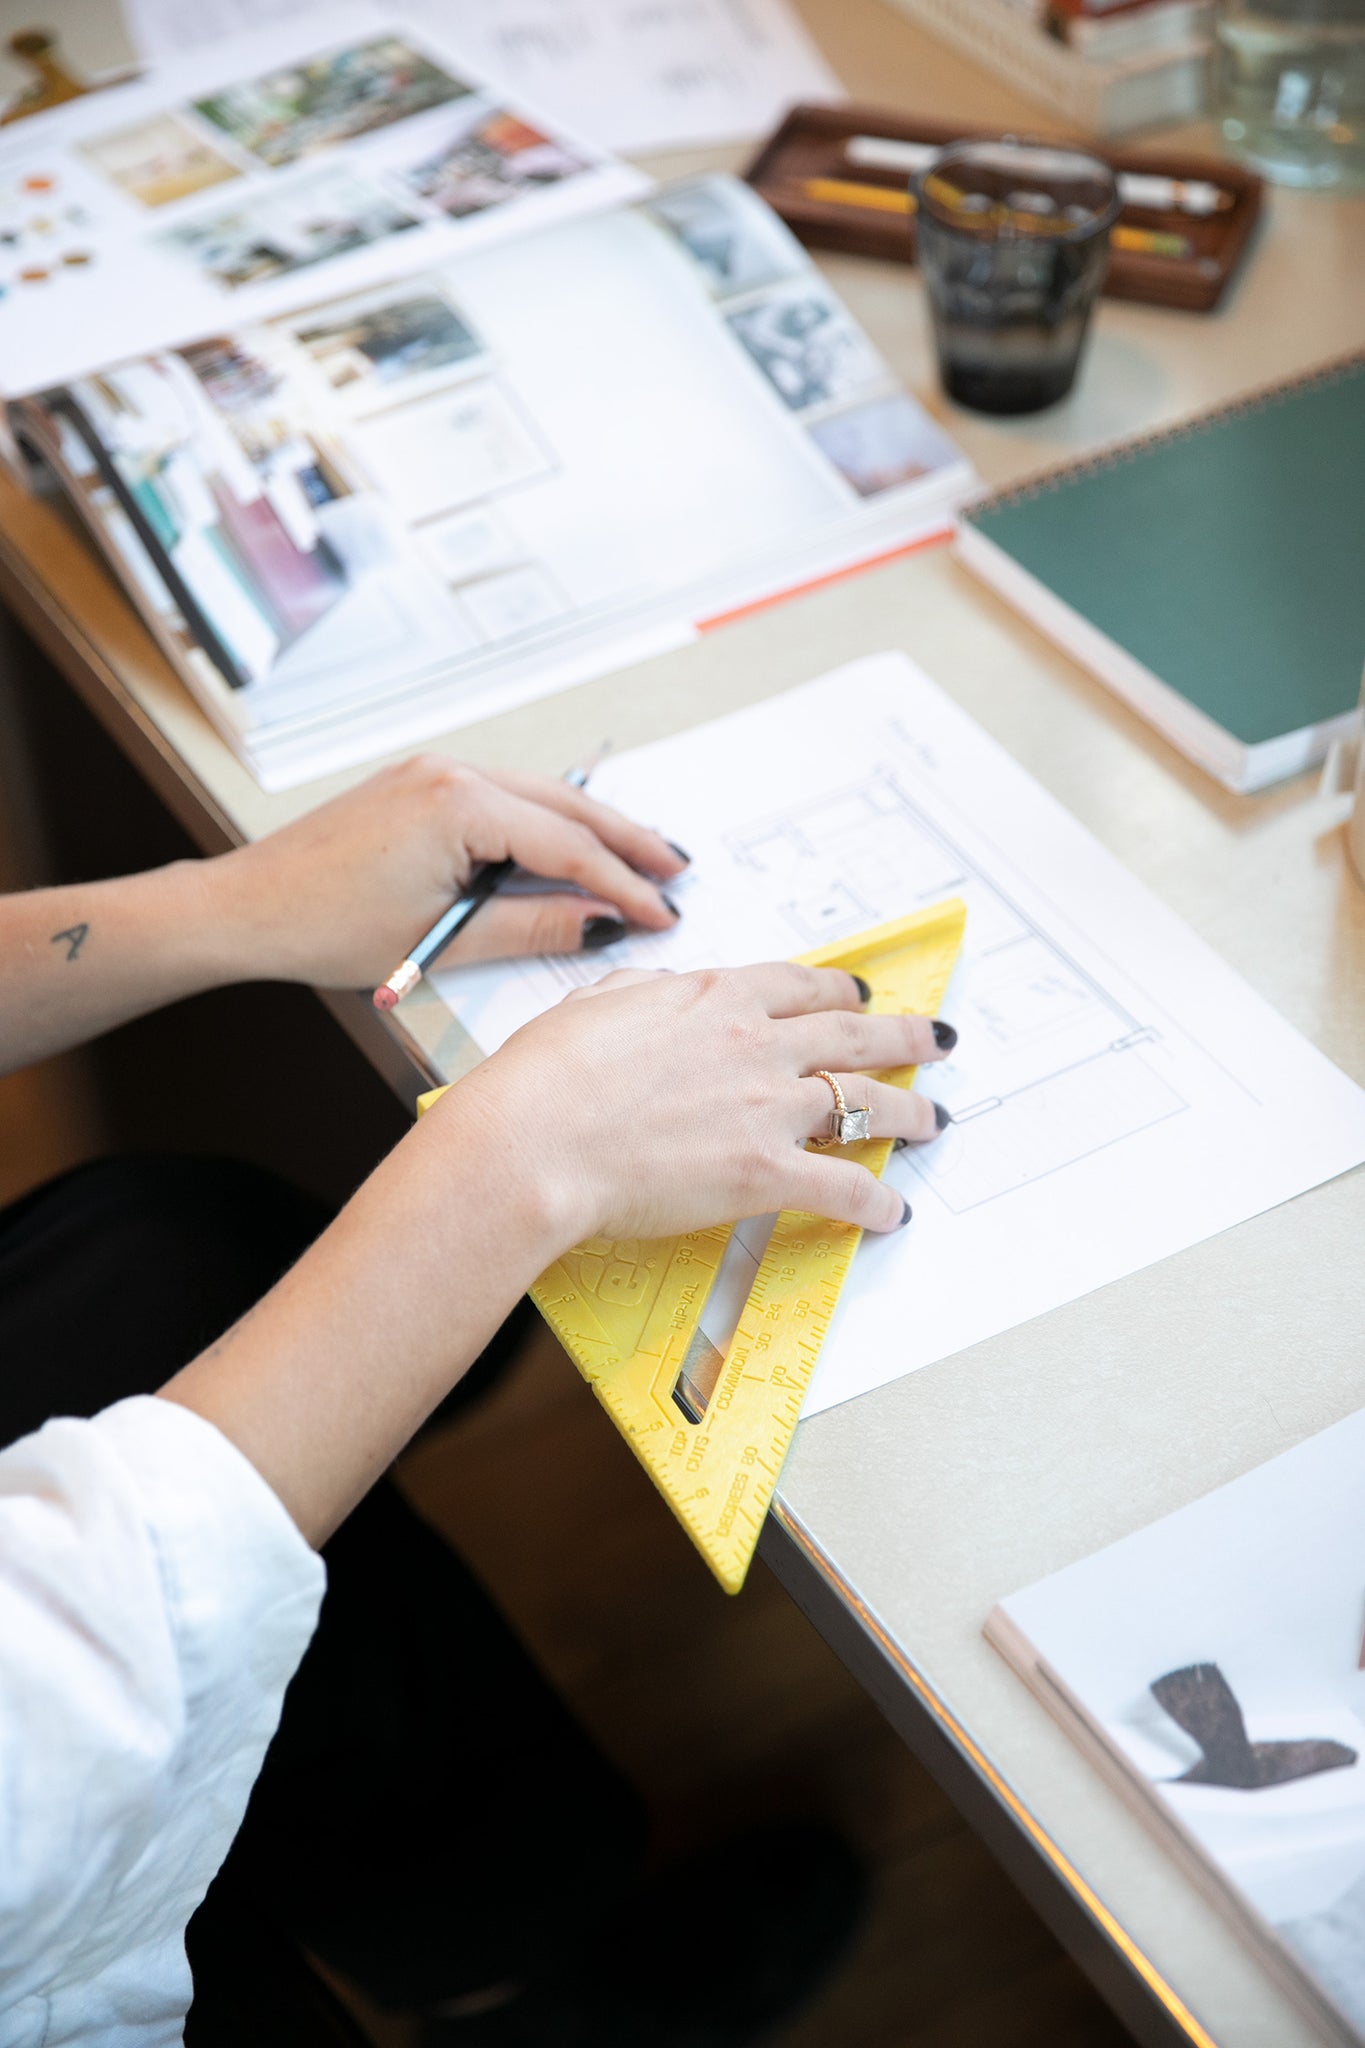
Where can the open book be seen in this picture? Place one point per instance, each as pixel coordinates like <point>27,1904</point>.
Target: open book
<point>383,516</point>
<point>1211,1666</point>
<point>390,414</point>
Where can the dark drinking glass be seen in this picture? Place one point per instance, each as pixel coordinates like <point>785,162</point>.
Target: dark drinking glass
<point>1013,243</point>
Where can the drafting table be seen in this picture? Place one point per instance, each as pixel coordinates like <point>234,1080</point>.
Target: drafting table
<point>906,1514</point>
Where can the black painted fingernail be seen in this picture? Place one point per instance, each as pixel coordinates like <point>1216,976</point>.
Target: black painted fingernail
<point>864,988</point>
<point>945,1038</point>
<point>686,858</point>
<point>602,931</point>
<point>942,1116</point>
<point>906,1217</point>
<point>669,904</point>
<point>899,1144</point>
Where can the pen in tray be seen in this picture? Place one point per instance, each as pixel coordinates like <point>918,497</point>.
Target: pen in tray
<point>484,883</point>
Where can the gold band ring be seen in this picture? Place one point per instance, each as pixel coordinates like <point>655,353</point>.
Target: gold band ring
<point>846,1126</point>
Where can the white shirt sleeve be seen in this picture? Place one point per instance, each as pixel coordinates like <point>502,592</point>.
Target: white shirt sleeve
<point>155,1600</point>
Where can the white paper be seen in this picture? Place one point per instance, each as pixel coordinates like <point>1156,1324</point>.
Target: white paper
<point>182,203</point>
<point>1265,1578</point>
<point>637,78</point>
<point>1121,1094</point>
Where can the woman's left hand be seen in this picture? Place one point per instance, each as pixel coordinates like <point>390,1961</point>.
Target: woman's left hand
<point>338,898</point>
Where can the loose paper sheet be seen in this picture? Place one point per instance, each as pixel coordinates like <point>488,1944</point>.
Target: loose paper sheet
<point>322,153</point>
<point>635,78</point>
<point>1120,1094</point>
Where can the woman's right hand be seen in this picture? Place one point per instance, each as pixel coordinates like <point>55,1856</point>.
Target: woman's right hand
<point>651,1104</point>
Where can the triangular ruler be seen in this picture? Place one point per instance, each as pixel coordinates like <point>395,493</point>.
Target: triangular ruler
<point>629,1311</point>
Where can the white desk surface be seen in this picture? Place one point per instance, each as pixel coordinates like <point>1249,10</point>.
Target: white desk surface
<point>918,1506</point>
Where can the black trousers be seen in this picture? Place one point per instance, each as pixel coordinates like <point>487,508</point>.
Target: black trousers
<point>430,1819</point>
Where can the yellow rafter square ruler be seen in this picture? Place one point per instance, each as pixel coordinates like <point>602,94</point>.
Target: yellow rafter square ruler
<point>627,1311</point>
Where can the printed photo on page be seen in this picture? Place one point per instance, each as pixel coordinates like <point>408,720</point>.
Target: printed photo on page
<point>302,108</point>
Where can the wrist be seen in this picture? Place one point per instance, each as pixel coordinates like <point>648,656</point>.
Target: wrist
<point>191,927</point>
<point>239,940</point>
<point>495,1127</point>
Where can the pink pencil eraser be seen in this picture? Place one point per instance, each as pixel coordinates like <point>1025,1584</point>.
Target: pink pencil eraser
<point>385,999</point>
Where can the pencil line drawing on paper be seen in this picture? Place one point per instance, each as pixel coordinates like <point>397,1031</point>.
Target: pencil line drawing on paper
<point>1084,1007</point>
<point>1059,1067</point>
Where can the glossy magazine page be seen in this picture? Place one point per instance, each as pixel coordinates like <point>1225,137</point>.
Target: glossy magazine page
<point>322,154</point>
<point>408,508</point>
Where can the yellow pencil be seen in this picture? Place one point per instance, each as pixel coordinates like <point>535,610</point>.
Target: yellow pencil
<point>881,199</point>
<point>844,192</point>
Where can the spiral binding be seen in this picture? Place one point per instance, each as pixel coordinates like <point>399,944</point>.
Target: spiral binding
<point>1120,452</point>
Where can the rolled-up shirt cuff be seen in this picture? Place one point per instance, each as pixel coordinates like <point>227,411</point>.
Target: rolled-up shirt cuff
<point>242,1586</point>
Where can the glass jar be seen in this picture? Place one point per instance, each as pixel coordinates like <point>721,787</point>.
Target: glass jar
<point>1293,88</point>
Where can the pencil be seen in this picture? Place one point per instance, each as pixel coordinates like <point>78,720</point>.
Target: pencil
<point>1150,242</point>
<point>483,883</point>
<point>845,192</point>
<point>848,192</point>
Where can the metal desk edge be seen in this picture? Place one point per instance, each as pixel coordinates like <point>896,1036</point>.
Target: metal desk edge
<point>1123,1974</point>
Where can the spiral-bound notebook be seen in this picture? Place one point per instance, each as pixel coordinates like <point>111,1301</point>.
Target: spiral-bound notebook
<point>1212,575</point>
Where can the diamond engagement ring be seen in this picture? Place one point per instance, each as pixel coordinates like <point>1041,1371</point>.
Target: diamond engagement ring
<point>846,1125</point>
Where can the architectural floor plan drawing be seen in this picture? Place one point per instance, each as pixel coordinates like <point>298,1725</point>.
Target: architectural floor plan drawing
<point>1058,1067</point>
<point>1118,1094</point>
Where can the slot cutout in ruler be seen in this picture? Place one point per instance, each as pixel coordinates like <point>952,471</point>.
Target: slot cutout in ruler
<point>712,1431</point>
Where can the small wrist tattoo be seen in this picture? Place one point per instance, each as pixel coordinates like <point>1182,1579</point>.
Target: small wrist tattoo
<point>74,936</point>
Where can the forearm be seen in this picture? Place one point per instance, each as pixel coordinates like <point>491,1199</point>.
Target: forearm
<point>78,960</point>
<point>333,899</point>
<point>650,1106</point>
<point>328,1378</point>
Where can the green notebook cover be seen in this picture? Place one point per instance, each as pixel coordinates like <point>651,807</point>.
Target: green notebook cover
<point>1227,556</point>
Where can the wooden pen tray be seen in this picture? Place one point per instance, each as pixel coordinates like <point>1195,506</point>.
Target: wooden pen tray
<point>810,145</point>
